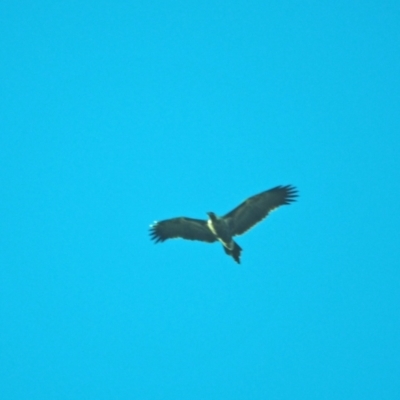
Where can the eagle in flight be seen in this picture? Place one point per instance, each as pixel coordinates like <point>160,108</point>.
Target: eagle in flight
<point>223,229</point>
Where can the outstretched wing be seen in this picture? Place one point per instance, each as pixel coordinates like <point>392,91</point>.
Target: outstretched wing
<point>257,207</point>
<point>182,227</point>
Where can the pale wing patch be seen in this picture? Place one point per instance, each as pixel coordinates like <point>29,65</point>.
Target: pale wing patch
<point>212,229</point>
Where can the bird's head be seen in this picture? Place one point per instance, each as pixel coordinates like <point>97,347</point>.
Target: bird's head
<point>212,216</point>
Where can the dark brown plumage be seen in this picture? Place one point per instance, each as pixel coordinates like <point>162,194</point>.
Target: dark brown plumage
<point>256,208</point>
<point>182,227</point>
<point>236,222</point>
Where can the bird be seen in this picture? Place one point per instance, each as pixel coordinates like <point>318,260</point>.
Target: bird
<point>223,229</point>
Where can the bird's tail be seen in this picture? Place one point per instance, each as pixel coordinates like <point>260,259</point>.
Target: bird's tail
<point>235,252</point>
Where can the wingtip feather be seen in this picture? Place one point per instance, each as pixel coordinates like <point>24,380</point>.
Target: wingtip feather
<point>154,234</point>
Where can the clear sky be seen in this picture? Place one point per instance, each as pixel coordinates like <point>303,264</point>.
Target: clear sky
<point>115,114</point>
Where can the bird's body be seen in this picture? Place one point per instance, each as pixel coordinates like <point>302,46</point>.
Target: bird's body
<point>223,229</point>
<point>220,228</point>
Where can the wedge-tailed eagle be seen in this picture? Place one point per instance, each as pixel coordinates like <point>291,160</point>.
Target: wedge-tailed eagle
<point>236,222</point>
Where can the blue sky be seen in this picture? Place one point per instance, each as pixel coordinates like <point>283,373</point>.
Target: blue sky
<point>116,114</point>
